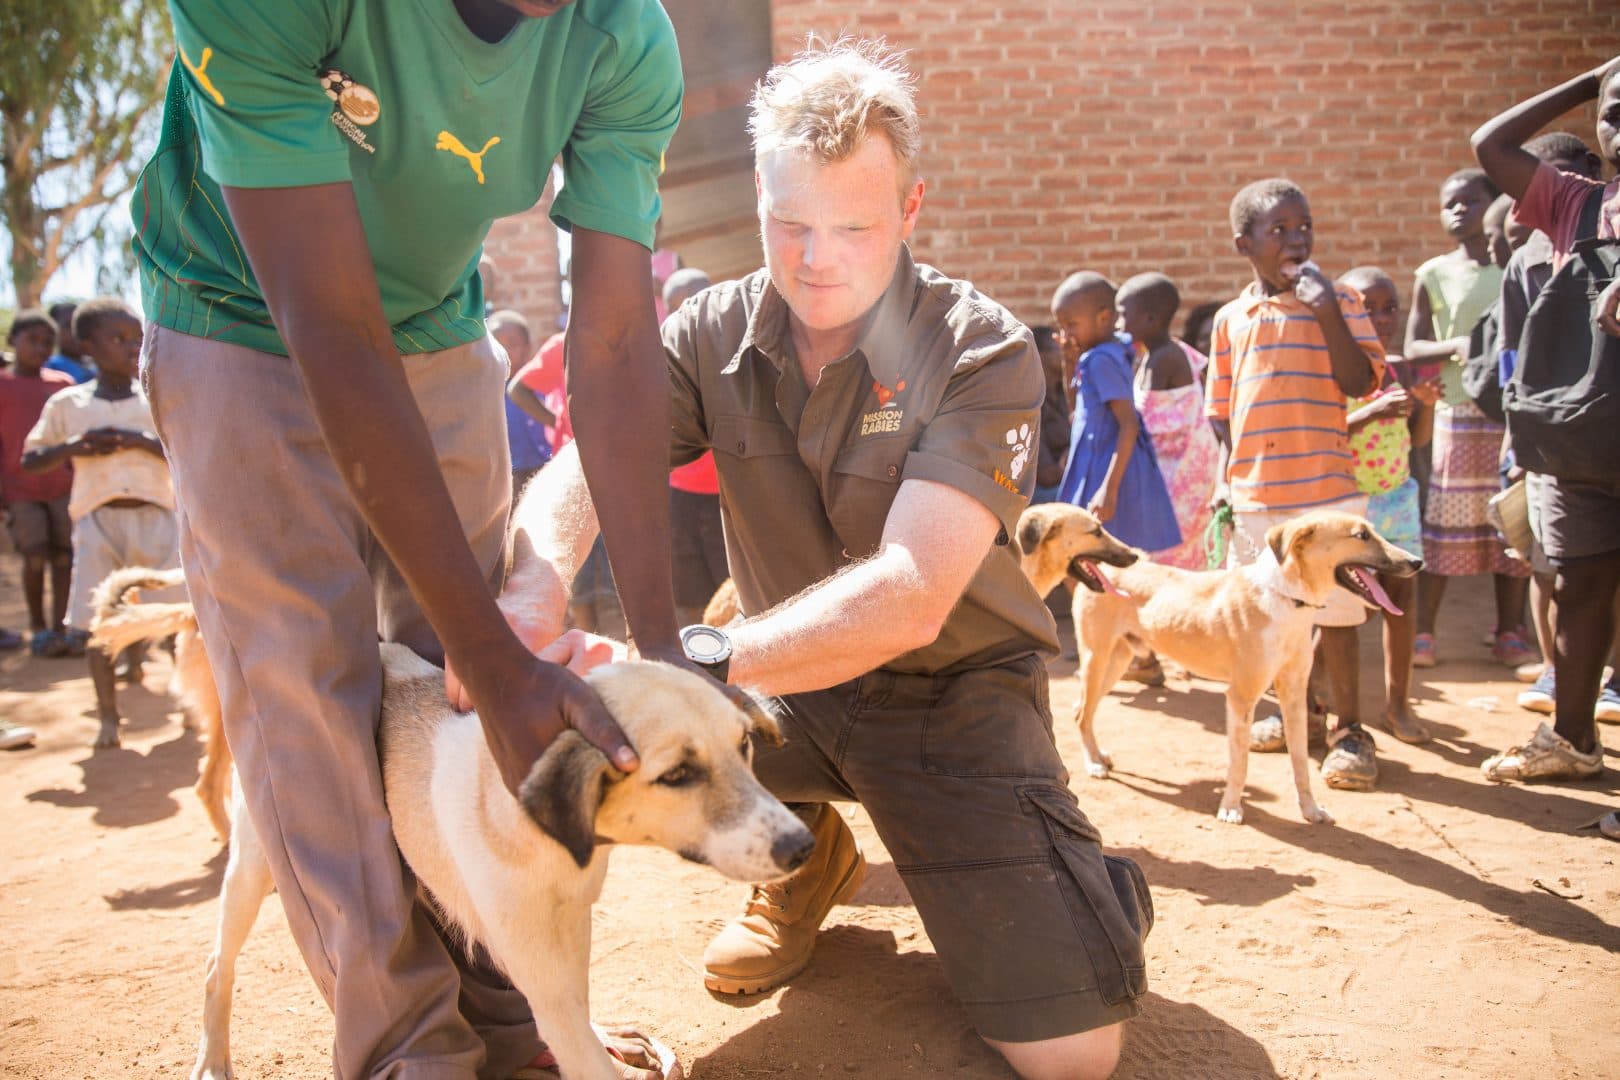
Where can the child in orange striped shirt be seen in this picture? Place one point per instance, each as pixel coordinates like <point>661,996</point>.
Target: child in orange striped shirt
<point>1284,358</point>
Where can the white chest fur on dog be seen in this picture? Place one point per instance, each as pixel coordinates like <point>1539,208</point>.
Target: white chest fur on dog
<point>520,877</point>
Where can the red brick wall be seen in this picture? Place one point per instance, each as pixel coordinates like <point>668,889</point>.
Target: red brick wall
<point>1112,134</point>
<point>525,252</point>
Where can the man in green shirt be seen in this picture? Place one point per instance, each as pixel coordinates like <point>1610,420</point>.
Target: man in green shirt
<point>308,234</point>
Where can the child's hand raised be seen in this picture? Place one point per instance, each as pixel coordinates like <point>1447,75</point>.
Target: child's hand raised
<point>1312,286</point>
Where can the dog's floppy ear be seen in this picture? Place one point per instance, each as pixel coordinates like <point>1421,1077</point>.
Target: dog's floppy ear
<point>1286,539</point>
<point>1031,529</point>
<point>761,717</point>
<point>1274,541</point>
<point>564,790</point>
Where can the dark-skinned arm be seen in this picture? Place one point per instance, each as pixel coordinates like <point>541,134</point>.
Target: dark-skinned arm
<point>1106,499</point>
<point>521,395</point>
<point>334,327</point>
<point>128,439</point>
<point>618,403</point>
<point>1348,361</point>
<point>1420,342</point>
<point>1499,142</point>
<point>91,444</point>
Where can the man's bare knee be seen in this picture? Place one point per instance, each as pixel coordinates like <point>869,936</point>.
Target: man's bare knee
<point>1088,1055</point>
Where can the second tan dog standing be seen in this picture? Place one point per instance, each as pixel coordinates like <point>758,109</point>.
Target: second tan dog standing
<point>1249,627</point>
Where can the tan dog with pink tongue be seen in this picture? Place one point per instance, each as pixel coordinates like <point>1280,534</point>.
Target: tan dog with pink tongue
<point>1248,627</point>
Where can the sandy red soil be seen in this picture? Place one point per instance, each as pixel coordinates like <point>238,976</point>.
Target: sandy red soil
<point>1412,939</point>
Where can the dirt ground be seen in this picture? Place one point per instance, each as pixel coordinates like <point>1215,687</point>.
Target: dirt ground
<point>1445,927</point>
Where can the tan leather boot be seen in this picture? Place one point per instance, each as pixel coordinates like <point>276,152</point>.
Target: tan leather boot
<point>773,940</point>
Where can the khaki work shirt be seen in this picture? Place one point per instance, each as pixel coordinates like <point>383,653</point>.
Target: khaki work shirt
<point>944,385</point>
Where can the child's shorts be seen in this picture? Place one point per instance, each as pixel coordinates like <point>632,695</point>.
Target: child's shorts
<point>113,537</point>
<point>1249,539</point>
<point>41,528</point>
<point>1398,516</point>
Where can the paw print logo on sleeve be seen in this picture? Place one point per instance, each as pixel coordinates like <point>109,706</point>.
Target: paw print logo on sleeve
<point>1019,441</point>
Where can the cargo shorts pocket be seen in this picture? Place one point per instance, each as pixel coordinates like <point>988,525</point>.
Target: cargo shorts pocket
<point>1107,895</point>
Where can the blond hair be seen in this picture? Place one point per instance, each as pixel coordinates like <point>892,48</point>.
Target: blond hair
<point>830,97</point>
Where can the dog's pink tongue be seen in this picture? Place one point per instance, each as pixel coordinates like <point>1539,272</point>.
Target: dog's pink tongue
<point>1369,581</point>
<point>1108,586</point>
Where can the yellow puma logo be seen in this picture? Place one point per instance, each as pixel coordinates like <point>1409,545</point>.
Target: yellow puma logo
<point>449,142</point>
<point>197,71</point>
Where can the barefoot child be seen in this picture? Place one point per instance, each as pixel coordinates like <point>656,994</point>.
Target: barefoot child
<point>1286,355</point>
<point>1112,470</point>
<point>1384,426</point>
<point>123,503</point>
<point>1452,293</point>
<point>1170,398</point>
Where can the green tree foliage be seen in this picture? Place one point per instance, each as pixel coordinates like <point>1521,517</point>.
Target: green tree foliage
<point>81,83</point>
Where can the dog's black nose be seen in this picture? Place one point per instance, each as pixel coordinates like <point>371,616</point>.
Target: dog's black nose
<point>791,849</point>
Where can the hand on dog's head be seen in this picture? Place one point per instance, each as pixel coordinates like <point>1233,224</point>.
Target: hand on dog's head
<point>565,789</point>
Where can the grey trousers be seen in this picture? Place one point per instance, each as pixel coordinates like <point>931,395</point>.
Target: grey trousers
<point>292,593</point>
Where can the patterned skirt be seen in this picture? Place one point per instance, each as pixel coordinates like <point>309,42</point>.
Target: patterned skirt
<point>1457,538</point>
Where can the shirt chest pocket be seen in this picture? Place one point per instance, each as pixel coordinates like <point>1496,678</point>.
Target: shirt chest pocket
<point>865,479</point>
<point>750,438</point>
<point>758,462</point>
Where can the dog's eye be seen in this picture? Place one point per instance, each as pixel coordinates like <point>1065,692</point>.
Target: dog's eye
<point>1361,534</point>
<point>745,747</point>
<point>679,776</point>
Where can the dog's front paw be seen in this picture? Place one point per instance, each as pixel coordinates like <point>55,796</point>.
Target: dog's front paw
<point>107,737</point>
<point>1098,770</point>
<point>1230,815</point>
<point>1315,815</point>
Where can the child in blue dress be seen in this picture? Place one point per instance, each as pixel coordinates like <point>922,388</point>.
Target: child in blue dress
<point>1112,469</point>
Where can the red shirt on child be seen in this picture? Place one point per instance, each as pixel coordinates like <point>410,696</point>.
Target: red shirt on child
<point>22,399</point>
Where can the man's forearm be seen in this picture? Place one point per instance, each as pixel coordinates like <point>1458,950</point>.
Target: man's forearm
<point>385,456</point>
<point>619,405</point>
<point>839,629</point>
<point>369,420</point>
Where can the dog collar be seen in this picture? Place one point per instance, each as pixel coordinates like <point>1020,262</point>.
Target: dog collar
<point>1268,573</point>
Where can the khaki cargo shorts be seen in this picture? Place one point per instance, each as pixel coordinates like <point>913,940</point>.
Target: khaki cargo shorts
<point>1039,932</point>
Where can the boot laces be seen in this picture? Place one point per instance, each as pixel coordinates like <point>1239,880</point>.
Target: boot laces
<point>768,898</point>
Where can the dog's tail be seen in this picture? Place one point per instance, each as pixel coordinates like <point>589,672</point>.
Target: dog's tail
<point>120,620</point>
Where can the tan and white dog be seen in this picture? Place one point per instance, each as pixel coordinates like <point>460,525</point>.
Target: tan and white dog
<point>521,877</point>
<point>1249,627</point>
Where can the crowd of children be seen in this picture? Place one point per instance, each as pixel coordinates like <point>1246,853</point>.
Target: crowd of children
<point>84,480</point>
<point>1306,393</point>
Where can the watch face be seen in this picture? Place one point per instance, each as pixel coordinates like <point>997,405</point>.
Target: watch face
<point>705,644</point>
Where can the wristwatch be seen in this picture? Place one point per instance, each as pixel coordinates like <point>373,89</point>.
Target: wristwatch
<point>709,648</point>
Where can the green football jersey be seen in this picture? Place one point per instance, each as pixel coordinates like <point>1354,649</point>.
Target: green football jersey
<point>439,131</point>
